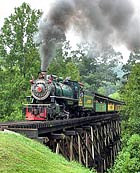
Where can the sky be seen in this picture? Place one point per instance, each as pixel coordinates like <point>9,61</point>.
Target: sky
<point>7,7</point>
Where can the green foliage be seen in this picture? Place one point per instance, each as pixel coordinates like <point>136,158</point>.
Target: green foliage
<point>133,59</point>
<point>129,127</point>
<point>16,40</point>
<point>19,60</point>
<point>128,160</point>
<point>19,154</point>
<point>72,71</point>
<point>115,95</point>
<point>131,93</point>
<point>12,95</point>
<point>97,68</point>
<point>110,88</point>
<point>102,91</point>
<point>62,66</point>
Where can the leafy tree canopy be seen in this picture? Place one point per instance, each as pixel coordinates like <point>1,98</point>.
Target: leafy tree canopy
<point>128,160</point>
<point>63,67</point>
<point>131,93</point>
<point>19,59</point>
<point>96,67</point>
<point>17,49</point>
<point>133,59</point>
<point>115,95</point>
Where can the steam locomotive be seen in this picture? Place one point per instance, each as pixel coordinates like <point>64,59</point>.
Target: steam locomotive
<point>54,98</point>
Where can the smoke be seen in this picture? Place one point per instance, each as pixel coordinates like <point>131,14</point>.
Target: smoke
<point>102,21</point>
<point>52,29</point>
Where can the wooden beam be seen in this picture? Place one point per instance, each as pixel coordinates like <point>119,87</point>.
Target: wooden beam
<point>70,133</point>
<point>87,128</point>
<point>44,140</point>
<point>57,136</point>
<point>79,130</point>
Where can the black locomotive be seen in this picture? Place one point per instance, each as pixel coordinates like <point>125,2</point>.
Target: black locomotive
<point>55,98</point>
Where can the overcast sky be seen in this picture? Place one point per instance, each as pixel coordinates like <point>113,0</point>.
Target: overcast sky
<point>7,7</point>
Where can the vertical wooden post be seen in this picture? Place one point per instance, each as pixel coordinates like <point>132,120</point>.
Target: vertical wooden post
<point>79,148</point>
<point>71,148</point>
<point>102,139</point>
<point>115,151</point>
<point>98,144</point>
<point>108,134</point>
<point>57,148</point>
<point>92,146</point>
<point>116,127</point>
<point>105,135</point>
<point>86,149</point>
<point>111,130</point>
<point>104,164</point>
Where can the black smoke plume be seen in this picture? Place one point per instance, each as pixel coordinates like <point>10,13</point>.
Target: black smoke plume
<point>101,21</point>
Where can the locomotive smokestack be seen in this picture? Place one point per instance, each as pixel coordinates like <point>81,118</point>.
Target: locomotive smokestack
<point>42,74</point>
<point>101,21</point>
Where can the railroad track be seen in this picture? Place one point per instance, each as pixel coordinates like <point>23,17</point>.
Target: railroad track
<point>36,128</point>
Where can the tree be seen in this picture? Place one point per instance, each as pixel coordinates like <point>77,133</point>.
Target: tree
<point>16,40</point>
<point>133,59</point>
<point>115,95</point>
<point>19,59</point>
<point>128,160</point>
<point>131,93</point>
<point>96,67</point>
<point>131,96</point>
<point>63,66</point>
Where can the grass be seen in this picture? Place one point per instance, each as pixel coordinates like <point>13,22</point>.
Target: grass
<point>19,154</point>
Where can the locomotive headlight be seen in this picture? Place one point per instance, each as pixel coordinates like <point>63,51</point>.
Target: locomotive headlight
<point>40,89</point>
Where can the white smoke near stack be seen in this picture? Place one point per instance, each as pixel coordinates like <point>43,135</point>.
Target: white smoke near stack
<point>101,21</point>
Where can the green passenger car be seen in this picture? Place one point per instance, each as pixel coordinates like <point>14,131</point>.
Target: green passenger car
<point>100,107</point>
<point>86,101</point>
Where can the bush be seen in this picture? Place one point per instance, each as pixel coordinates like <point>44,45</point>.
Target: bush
<point>128,160</point>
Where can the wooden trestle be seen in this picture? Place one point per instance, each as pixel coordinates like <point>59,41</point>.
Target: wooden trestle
<point>93,141</point>
<point>94,146</point>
